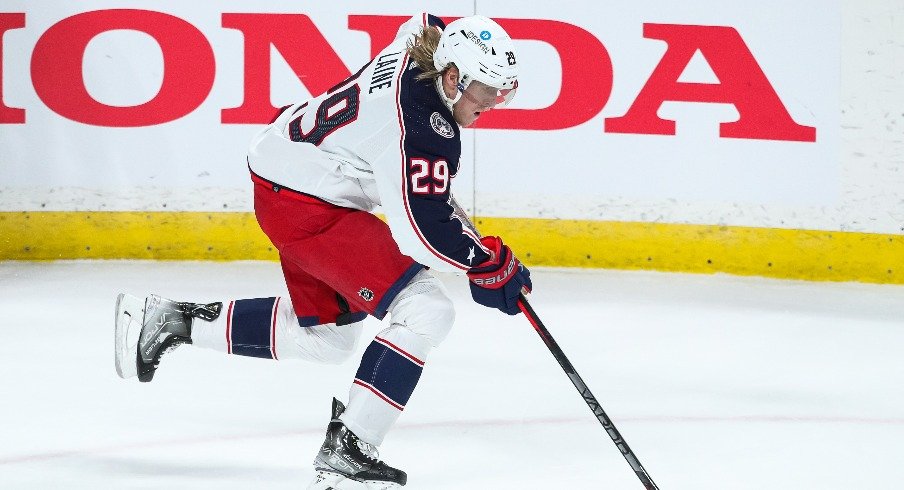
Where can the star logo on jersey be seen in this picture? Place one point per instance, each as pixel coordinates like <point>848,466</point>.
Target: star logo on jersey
<point>471,256</point>
<point>441,126</point>
<point>367,294</point>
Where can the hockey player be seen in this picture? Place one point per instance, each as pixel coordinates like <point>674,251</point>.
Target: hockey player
<point>387,136</point>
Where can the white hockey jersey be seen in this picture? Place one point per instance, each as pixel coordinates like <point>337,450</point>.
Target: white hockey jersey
<point>378,138</point>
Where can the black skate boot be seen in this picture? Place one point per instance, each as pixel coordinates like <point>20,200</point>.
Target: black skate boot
<point>346,462</point>
<point>164,326</point>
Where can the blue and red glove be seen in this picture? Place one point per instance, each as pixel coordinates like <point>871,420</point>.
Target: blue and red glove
<point>497,283</point>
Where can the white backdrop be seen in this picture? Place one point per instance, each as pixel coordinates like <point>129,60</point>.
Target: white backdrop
<point>584,171</point>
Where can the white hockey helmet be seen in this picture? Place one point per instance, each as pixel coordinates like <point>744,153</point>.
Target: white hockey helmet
<point>485,57</point>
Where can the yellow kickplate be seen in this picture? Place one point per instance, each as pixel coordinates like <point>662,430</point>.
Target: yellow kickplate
<point>770,252</point>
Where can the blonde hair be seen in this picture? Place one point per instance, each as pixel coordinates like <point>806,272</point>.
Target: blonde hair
<point>421,51</point>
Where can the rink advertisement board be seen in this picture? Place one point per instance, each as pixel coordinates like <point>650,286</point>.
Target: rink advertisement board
<point>715,104</point>
<point>711,114</point>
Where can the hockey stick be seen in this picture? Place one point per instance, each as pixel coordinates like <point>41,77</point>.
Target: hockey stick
<point>573,375</point>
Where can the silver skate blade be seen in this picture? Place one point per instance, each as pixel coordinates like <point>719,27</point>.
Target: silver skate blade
<point>129,315</point>
<point>381,485</point>
<point>330,480</point>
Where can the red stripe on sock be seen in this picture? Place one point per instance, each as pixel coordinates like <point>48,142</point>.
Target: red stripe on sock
<point>399,350</point>
<point>273,329</point>
<point>229,328</point>
<point>379,394</point>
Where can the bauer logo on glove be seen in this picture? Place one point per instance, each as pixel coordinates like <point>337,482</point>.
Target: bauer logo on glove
<point>498,282</point>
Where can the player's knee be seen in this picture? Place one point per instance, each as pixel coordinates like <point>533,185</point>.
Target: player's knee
<point>442,317</point>
<point>328,344</point>
<point>429,314</point>
<point>332,354</point>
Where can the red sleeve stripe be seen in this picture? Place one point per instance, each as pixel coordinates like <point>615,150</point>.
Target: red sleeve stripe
<point>467,231</point>
<point>407,205</point>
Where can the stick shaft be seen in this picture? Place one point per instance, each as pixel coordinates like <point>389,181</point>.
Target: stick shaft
<point>588,397</point>
<point>572,373</point>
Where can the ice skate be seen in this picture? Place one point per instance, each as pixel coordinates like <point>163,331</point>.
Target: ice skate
<point>348,463</point>
<point>146,330</point>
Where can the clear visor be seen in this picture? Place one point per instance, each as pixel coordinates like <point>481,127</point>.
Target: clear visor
<point>487,97</point>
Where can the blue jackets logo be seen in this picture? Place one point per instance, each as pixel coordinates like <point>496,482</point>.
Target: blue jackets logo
<point>441,126</point>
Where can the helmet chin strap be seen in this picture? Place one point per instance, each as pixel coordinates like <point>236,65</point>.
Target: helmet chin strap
<point>442,94</point>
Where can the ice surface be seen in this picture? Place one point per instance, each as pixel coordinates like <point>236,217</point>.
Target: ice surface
<point>716,382</point>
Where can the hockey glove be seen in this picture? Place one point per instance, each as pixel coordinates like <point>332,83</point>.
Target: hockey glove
<point>497,283</point>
